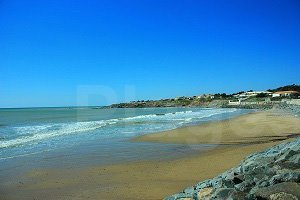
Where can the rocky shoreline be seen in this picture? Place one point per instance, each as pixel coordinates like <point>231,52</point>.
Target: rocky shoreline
<point>271,174</point>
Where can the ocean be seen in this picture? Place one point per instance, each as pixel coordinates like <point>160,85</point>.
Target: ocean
<point>63,137</point>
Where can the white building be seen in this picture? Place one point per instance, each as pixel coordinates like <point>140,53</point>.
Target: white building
<point>284,93</point>
<point>252,94</point>
<point>206,96</point>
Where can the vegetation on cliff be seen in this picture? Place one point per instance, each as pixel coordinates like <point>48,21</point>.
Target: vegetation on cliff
<point>207,100</point>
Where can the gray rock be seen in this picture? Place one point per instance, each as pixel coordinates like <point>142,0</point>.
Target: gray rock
<point>202,184</point>
<point>273,173</point>
<point>179,196</point>
<point>237,195</point>
<point>282,196</point>
<point>189,191</point>
<point>287,187</point>
<point>223,193</point>
<point>292,163</point>
<point>292,176</point>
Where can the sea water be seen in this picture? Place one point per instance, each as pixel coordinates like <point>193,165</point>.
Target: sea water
<point>85,135</point>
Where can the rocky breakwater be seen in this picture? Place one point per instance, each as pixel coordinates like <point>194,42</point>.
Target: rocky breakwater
<point>271,174</point>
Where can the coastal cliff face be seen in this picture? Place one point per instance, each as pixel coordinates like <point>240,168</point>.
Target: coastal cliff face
<point>250,100</point>
<point>189,102</point>
<point>271,174</point>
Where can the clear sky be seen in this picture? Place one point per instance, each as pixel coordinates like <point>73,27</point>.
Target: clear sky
<point>60,53</point>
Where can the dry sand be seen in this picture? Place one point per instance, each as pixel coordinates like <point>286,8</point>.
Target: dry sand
<point>157,179</point>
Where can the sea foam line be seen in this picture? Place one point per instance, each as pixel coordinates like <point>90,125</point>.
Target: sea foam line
<point>41,132</point>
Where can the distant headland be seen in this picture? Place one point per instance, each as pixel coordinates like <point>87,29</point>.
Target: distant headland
<point>289,94</point>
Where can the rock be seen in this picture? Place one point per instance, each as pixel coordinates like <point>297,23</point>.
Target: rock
<point>223,193</point>
<point>290,159</point>
<point>189,191</point>
<point>295,160</point>
<point>263,182</point>
<point>292,176</point>
<point>292,163</point>
<point>237,195</point>
<point>237,180</point>
<point>270,174</point>
<point>282,196</point>
<point>204,193</point>
<point>203,184</point>
<point>247,166</point>
<point>288,187</point>
<point>180,196</point>
<point>243,187</point>
<point>226,183</point>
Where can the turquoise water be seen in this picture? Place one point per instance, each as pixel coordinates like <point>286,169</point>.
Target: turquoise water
<point>46,134</point>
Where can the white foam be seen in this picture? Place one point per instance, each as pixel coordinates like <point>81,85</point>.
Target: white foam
<point>36,133</point>
<point>182,115</point>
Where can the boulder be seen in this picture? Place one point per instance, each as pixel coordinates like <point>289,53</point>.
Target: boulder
<point>271,174</point>
<point>282,196</point>
<point>286,187</point>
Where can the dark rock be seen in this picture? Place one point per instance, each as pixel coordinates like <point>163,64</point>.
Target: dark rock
<point>237,180</point>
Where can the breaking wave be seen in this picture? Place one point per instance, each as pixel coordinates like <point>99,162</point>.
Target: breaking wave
<point>36,133</point>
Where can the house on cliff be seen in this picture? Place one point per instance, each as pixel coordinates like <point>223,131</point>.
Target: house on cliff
<point>285,94</point>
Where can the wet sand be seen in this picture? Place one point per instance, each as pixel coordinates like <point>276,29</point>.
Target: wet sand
<point>246,129</point>
<point>157,179</point>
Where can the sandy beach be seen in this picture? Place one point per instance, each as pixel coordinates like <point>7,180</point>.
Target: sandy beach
<point>258,127</point>
<point>148,100</point>
<point>156,179</point>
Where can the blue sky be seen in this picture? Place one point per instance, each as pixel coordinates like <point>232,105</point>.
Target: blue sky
<point>57,53</point>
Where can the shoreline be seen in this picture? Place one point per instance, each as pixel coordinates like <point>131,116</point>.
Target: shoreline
<point>154,179</point>
<point>130,180</point>
<point>269,174</point>
<point>256,127</point>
